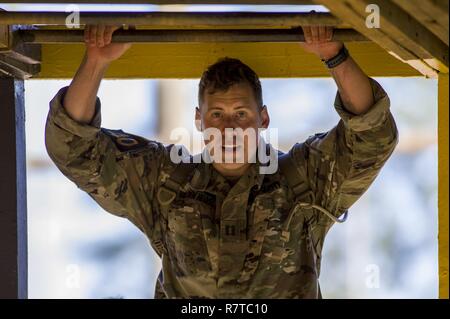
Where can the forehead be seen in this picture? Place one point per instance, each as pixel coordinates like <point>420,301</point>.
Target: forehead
<point>237,93</point>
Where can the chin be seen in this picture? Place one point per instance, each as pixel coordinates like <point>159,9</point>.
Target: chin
<point>230,166</point>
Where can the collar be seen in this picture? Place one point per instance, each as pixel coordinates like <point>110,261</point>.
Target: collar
<point>207,178</point>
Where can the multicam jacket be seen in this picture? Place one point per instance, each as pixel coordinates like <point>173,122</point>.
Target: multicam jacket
<point>251,239</point>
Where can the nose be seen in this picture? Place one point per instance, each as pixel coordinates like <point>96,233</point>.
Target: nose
<point>228,122</point>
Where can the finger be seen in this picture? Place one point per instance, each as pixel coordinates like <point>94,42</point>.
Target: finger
<point>307,34</point>
<point>92,35</point>
<point>313,29</point>
<point>115,27</point>
<point>108,34</point>
<point>315,34</point>
<point>100,35</point>
<point>322,33</point>
<point>329,33</point>
<point>86,33</point>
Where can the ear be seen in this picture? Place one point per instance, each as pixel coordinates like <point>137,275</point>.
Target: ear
<point>198,119</point>
<point>265,119</point>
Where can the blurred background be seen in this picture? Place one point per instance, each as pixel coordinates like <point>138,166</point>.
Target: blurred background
<point>386,249</point>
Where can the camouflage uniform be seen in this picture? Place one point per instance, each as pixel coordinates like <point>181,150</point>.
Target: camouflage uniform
<point>257,238</point>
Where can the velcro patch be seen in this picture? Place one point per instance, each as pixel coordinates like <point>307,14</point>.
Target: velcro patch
<point>126,142</point>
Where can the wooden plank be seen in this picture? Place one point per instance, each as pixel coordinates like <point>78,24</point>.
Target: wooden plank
<point>443,166</point>
<point>409,33</point>
<point>178,19</point>
<point>4,35</point>
<point>188,60</point>
<point>16,65</point>
<point>197,36</point>
<point>13,204</point>
<point>430,13</point>
<point>353,12</point>
<point>17,59</point>
<point>442,5</point>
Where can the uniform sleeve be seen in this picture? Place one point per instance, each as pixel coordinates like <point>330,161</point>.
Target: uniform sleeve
<point>118,170</point>
<point>342,163</point>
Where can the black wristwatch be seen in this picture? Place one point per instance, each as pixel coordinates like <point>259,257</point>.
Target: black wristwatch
<point>338,58</point>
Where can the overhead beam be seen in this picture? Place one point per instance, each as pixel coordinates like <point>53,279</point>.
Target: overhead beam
<point>410,34</point>
<point>4,36</point>
<point>17,59</point>
<point>178,19</point>
<point>433,14</point>
<point>397,34</point>
<point>17,66</point>
<point>199,36</point>
<point>188,60</point>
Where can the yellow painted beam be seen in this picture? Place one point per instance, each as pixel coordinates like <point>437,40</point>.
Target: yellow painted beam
<point>188,60</point>
<point>443,144</point>
<point>392,35</point>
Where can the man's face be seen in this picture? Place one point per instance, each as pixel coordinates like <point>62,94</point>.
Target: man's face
<point>231,109</point>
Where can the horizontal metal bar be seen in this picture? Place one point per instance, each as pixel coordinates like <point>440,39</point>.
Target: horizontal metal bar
<point>142,36</point>
<point>178,19</point>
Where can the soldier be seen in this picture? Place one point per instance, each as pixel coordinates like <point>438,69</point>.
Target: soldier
<point>224,230</point>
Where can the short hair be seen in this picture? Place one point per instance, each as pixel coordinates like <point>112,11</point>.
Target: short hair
<point>226,72</point>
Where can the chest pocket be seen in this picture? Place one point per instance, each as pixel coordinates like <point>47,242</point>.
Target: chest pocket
<point>266,234</point>
<point>185,237</point>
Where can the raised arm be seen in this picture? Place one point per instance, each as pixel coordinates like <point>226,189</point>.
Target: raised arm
<point>353,84</point>
<point>79,100</point>
<point>342,163</point>
<point>117,169</point>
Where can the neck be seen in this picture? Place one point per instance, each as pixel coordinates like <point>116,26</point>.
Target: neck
<point>232,174</point>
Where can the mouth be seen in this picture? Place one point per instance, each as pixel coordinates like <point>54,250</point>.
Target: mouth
<point>230,148</point>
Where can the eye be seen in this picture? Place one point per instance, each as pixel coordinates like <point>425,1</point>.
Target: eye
<point>216,115</point>
<point>241,114</point>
